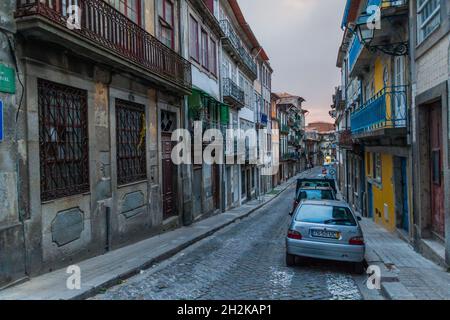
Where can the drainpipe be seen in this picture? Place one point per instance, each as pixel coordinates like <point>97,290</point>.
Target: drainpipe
<point>224,181</point>
<point>186,172</point>
<point>105,206</point>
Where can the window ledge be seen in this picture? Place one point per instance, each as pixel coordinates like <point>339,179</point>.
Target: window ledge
<point>78,195</point>
<point>121,186</point>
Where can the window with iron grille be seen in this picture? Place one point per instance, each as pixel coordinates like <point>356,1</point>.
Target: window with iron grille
<point>131,142</point>
<point>63,139</point>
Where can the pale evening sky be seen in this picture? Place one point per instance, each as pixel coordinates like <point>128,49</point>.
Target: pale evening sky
<point>302,38</point>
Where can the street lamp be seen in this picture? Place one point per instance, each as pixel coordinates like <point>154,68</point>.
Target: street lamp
<point>365,31</point>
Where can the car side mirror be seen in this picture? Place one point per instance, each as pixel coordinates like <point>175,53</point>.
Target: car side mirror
<point>359,218</point>
<point>291,213</point>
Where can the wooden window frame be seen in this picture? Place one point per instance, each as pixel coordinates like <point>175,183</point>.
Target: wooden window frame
<point>213,60</point>
<point>421,27</point>
<point>164,23</point>
<point>195,57</point>
<point>204,40</point>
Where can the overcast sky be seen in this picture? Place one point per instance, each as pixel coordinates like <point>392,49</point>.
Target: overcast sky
<point>302,38</point>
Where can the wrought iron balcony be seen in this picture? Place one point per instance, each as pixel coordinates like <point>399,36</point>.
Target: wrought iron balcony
<point>387,3</point>
<point>233,43</point>
<point>386,111</point>
<point>105,28</point>
<point>230,34</point>
<point>233,94</point>
<point>248,61</point>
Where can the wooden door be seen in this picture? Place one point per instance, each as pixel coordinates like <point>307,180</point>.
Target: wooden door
<point>168,176</point>
<point>436,168</point>
<point>197,192</point>
<point>405,202</point>
<point>216,185</point>
<point>229,188</point>
<point>369,201</point>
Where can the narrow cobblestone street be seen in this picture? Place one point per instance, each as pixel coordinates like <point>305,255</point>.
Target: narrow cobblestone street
<point>243,261</point>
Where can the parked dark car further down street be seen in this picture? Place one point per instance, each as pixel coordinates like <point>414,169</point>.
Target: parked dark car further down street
<point>314,189</point>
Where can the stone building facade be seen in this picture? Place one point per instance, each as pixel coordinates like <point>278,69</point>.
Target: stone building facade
<point>91,97</point>
<point>430,73</point>
<point>90,146</point>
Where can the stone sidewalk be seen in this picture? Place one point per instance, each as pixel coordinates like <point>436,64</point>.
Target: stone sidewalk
<point>109,269</point>
<point>405,274</point>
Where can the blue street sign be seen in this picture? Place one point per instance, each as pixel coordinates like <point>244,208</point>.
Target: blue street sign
<point>1,120</point>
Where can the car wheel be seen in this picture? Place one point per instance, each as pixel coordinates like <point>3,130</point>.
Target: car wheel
<point>358,267</point>
<point>290,260</point>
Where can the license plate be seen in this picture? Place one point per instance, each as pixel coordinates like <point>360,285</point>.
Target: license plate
<point>325,234</point>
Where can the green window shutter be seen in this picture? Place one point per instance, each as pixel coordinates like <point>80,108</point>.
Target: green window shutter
<point>224,114</point>
<point>195,104</point>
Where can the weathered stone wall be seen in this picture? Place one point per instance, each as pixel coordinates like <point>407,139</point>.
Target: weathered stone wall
<point>12,157</point>
<point>66,230</point>
<point>432,67</point>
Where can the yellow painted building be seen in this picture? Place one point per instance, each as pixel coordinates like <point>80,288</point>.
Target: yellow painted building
<point>377,81</point>
<point>383,183</point>
<point>383,204</point>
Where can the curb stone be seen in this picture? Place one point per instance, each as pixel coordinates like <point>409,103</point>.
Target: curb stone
<point>396,291</point>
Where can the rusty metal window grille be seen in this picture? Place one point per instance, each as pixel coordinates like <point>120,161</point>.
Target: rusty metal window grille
<point>63,140</point>
<point>131,142</point>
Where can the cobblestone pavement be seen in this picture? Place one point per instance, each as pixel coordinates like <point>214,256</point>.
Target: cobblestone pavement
<point>244,261</point>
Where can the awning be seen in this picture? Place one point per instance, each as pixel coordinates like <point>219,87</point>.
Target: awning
<point>200,100</point>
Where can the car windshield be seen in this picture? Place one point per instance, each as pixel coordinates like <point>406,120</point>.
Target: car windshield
<point>324,214</point>
<point>312,184</point>
<point>315,195</point>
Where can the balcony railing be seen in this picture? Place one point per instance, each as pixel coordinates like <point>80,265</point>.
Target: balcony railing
<point>109,29</point>
<point>231,35</point>
<point>248,61</point>
<point>387,3</point>
<point>387,109</point>
<point>232,93</point>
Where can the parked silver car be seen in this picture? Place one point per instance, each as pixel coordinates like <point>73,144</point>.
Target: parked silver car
<point>325,230</point>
